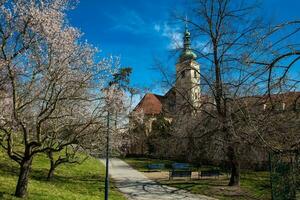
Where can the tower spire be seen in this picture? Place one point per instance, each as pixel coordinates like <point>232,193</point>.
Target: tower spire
<point>186,22</point>
<point>187,74</point>
<point>187,36</point>
<point>187,53</point>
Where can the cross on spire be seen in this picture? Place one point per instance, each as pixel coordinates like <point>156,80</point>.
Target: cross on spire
<point>186,22</point>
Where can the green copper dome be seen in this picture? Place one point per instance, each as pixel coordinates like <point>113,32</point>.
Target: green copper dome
<point>187,53</point>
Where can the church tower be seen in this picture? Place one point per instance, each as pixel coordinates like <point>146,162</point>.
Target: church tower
<point>187,77</point>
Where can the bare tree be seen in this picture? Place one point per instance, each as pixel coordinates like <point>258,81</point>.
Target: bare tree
<point>240,57</point>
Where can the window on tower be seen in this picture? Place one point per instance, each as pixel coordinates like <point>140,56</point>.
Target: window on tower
<point>195,74</point>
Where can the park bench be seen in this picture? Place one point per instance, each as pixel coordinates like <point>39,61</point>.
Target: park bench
<point>209,173</point>
<point>156,167</point>
<point>181,166</point>
<point>180,170</point>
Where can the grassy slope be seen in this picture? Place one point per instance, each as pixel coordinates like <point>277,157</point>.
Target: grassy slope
<point>71,182</point>
<point>254,185</point>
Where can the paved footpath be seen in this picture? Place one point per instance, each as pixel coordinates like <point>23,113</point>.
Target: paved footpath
<point>136,186</point>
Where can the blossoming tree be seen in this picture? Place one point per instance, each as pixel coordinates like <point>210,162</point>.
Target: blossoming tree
<point>49,82</point>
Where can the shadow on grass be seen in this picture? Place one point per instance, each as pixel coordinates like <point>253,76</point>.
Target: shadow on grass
<point>71,183</point>
<point>41,175</point>
<point>1,194</point>
<point>220,189</point>
<point>208,182</point>
<point>199,185</point>
<point>8,169</point>
<point>75,179</point>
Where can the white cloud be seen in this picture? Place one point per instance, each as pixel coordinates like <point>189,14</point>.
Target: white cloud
<point>157,27</point>
<point>129,21</point>
<point>174,34</point>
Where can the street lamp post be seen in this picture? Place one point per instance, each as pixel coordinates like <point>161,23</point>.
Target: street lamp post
<point>107,159</point>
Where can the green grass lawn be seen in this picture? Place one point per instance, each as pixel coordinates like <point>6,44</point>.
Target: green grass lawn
<point>254,185</point>
<point>85,181</point>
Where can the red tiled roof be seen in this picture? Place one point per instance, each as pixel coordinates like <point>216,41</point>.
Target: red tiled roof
<point>150,104</point>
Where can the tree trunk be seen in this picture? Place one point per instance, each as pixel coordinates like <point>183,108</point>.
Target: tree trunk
<point>21,189</point>
<point>190,148</point>
<point>235,167</point>
<point>51,172</point>
<point>235,174</point>
<point>52,166</point>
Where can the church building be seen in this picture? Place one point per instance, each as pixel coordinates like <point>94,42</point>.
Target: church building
<point>185,100</point>
<point>183,97</point>
<point>186,91</point>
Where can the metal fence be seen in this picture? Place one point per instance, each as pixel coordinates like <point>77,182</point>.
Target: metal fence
<point>285,175</point>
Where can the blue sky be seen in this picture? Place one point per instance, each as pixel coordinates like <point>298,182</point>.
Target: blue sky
<point>139,30</point>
